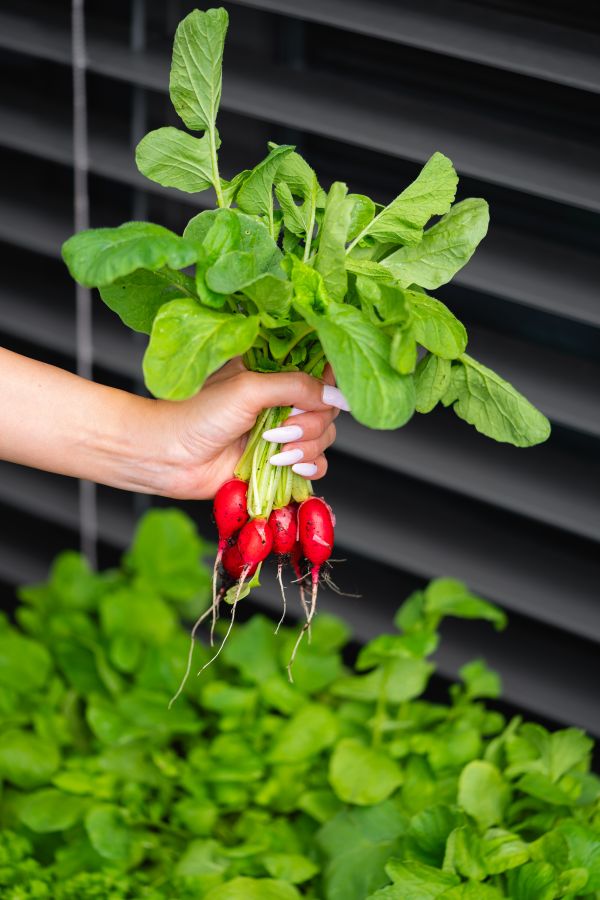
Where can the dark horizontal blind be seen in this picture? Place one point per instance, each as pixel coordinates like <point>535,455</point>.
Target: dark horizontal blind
<point>367,90</point>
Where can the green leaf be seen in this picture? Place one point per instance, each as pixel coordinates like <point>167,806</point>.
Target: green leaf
<point>479,680</point>
<point>432,378</point>
<point>448,597</point>
<point>26,759</point>
<point>294,216</point>
<point>378,396</point>
<point>139,612</point>
<point>253,889</point>
<point>362,775</point>
<point>417,880</point>
<point>310,731</point>
<point>166,551</point>
<point>273,298</point>
<point>234,271</point>
<point>230,188</point>
<point>444,249</point>
<point>111,837</point>
<point>435,327</point>
<point>202,858</point>
<point>538,785</point>
<point>502,851</point>
<point>24,664</point>
<point>195,81</point>
<point>429,830</point>
<point>292,867</point>
<point>362,212</point>
<point>256,194</point>
<point>358,843</point>
<point>430,194</point>
<point>533,881</point>
<point>330,261</point>
<point>494,407</point>
<point>403,351</point>
<point>464,854</point>
<point>472,891</point>
<point>175,159</point>
<point>97,257</point>
<point>399,680</point>
<point>50,810</point>
<point>252,649</point>
<point>189,343</point>
<point>136,298</point>
<point>483,793</point>
<point>584,851</point>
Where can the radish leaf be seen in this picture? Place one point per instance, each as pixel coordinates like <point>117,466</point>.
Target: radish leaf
<point>331,255</point>
<point>445,248</point>
<point>98,257</point>
<point>137,297</point>
<point>176,159</point>
<point>432,378</point>
<point>196,76</point>
<point>430,194</point>
<point>188,343</point>
<point>256,193</point>
<point>494,407</point>
<point>435,327</point>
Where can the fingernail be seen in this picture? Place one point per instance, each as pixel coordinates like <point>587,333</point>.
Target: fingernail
<point>287,457</point>
<point>296,412</point>
<point>334,397</point>
<point>284,434</point>
<point>306,469</point>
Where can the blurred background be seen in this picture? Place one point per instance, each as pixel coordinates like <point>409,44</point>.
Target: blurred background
<point>367,91</point>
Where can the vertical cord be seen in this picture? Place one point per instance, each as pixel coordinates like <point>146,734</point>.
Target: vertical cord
<point>88,522</point>
<point>137,41</point>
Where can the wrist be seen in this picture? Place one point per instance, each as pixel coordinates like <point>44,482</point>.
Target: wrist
<point>137,449</point>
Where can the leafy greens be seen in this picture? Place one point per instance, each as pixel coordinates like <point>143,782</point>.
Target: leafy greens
<point>322,276</point>
<point>346,785</point>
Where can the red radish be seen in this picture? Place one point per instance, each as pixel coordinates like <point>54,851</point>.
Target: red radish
<point>234,564</point>
<point>315,533</point>
<point>230,509</point>
<point>255,541</point>
<point>284,525</point>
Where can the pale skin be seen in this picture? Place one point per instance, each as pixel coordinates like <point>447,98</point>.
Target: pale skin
<point>53,420</point>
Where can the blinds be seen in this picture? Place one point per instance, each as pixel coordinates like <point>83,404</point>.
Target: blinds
<point>367,90</point>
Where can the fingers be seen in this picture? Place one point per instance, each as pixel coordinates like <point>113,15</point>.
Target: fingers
<point>312,470</point>
<point>306,451</point>
<point>289,389</point>
<point>301,427</point>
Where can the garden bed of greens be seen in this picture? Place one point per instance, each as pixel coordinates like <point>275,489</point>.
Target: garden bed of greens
<point>345,785</point>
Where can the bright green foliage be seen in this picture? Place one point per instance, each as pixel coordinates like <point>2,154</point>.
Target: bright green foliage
<point>363,305</point>
<point>341,786</point>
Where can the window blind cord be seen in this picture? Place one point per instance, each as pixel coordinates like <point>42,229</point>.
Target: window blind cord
<point>88,522</point>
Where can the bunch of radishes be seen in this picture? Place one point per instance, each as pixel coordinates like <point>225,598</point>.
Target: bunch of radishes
<point>294,532</point>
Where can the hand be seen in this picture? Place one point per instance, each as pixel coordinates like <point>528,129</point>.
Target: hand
<point>207,434</point>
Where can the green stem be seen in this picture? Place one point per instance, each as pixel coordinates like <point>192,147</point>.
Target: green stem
<point>267,485</point>
<point>311,226</point>
<point>215,169</point>
<point>312,365</point>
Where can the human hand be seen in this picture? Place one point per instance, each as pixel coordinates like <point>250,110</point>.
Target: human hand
<point>205,435</point>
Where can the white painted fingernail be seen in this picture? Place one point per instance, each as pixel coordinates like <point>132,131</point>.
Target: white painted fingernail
<point>295,411</point>
<point>284,434</point>
<point>306,469</point>
<point>334,397</point>
<point>287,457</point>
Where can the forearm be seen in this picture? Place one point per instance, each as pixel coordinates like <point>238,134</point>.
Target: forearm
<point>53,420</point>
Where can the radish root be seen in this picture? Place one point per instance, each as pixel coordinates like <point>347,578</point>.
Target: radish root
<point>241,583</point>
<point>188,668</point>
<point>282,588</point>
<point>307,624</point>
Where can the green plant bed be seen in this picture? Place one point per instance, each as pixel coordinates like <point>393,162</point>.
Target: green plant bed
<point>342,786</point>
